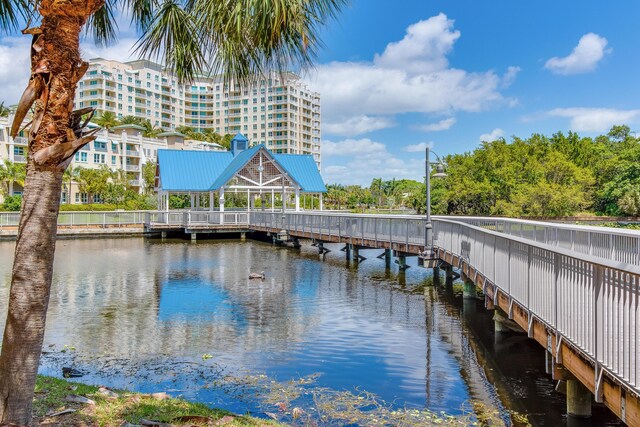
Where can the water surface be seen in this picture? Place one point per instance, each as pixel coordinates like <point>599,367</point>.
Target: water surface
<point>183,317</point>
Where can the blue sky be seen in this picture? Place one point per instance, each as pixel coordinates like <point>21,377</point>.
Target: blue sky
<point>395,76</point>
<point>457,71</point>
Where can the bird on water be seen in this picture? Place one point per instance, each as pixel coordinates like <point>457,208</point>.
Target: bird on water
<point>257,275</point>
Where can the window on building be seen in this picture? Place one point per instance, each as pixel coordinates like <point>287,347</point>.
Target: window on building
<point>81,156</point>
<point>98,158</point>
<point>113,160</point>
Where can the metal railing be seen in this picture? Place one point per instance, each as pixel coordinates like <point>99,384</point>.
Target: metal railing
<point>592,303</point>
<point>80,219</point>
<point>197,218</point>
<point>605,242</point>
<point>409,230</point>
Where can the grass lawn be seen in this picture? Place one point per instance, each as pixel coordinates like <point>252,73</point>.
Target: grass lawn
<point>127,407</point>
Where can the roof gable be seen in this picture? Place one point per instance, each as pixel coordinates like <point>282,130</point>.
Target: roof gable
<point>238,162</point>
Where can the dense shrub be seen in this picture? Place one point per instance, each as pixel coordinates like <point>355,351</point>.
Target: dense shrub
<point>12,203</point>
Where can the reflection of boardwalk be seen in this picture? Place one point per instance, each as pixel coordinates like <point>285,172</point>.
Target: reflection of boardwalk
<point>448,326</point>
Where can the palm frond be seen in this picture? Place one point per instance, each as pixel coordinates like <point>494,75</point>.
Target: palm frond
<point>174,38</point>
<point>242,38</point>
<point>14,13</point>
<point>142,12</point>
<point>103,24</point>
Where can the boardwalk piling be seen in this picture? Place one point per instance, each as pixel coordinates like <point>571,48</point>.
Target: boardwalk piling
<point>578,399</point>
<point>436,276</point>
<point>469,289</point>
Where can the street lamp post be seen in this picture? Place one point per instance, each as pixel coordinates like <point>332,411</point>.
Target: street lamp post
<point>428,228</point>
<point>428,232</point>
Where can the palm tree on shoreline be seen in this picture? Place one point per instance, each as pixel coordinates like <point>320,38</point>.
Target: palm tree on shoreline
<point>239,38</point>
<point>12,173</point>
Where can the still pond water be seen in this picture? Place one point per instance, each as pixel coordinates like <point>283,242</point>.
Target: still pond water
<point>182,317</point>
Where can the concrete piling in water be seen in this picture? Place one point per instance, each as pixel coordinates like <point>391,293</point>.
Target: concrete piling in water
<point>387,258</point>
<point>469,289</point>
<point>436,276</point>
<point>448,277</point>
<point>499,322</point>
<point>578,399</point>
<point>402,261</point>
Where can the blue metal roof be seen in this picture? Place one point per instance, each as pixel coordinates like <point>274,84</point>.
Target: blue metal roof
<point>188,170</point>
<point>303,170</point>
<point>238,162</point>
<point>191,170</point>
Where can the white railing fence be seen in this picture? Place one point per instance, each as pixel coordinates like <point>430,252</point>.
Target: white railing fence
<point>590,302</point>
<point>392,228</point>
<point>79,219</point>
<point>605,242</point>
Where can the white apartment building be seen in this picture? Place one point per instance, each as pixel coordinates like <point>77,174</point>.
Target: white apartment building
<point>122,148</point>
<point>279,111</point>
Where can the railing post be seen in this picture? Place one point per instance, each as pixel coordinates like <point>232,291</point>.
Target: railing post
<point>598,289</point>
<point>375,230</point>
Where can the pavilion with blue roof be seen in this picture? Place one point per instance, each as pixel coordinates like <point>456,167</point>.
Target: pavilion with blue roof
<point>254,173</point>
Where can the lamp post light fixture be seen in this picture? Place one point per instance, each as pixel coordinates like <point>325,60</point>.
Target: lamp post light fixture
<point>440,173</point>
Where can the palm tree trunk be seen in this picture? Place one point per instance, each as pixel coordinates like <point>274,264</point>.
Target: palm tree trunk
<point>57,65</point>
<point>29,295</point>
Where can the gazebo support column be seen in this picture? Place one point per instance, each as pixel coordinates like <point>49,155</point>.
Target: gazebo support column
<point>210,200</point>
<point>221,205</point>
<point>273,200</point>
<point>321,205</point>
<point>297,199</point>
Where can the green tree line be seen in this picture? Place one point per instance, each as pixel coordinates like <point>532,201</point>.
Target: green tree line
<point>561,175</point>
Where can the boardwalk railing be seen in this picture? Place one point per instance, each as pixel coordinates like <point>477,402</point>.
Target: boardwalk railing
<point>592,303</point>
<point>196,218</point>
<point>605,242</point>
<point>83,219</point>
<point>409,230</point>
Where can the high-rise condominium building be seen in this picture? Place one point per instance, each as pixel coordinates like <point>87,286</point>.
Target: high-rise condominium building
<point>279,110</point>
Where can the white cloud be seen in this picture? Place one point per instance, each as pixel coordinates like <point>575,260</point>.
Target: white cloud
<point>510,76</point>
<point>596,119</point>
<point>495,134</point>
<point>423,49</point>
<point>418,148</point>
<point>122,50</point>
<point>412,75</point>
<point>585,56</point>
<point>14,67</point>
<point>358,161</point>
<point>358,125</point>
<point>350,147</point>
<point>434,127</point>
